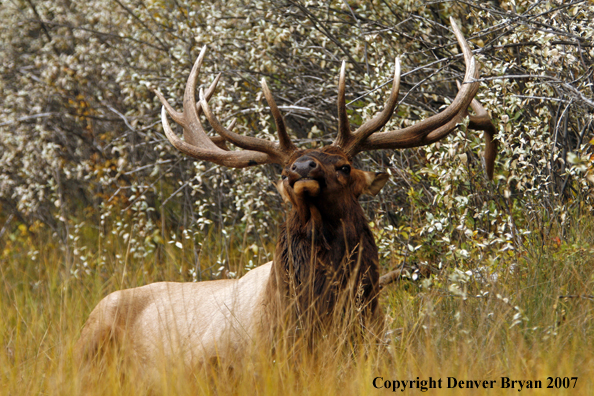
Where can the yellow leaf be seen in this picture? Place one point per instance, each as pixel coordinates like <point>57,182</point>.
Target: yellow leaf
<point>23,229</point>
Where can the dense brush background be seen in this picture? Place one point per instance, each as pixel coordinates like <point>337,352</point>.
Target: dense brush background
<point>498,275</point>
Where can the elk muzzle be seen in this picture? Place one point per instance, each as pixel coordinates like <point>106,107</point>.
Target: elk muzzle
<point>305,176</point>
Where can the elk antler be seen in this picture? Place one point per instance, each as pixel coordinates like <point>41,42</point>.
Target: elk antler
<point>482,122</point>
<point>347,139</point>
<point>425,132</point>
<point>199,145</point>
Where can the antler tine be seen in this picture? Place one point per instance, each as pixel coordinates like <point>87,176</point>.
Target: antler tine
<point>245,142</point>
<point>190,134</point>
<point>176,115</point>
<point>482,122</point>
<point>377,122</point>
<point>436,126</point>
<point>179,117</point>
<point>232,159</point>
<point>197,143</point>
<point>209,93</point>
<point>344,130</point>
<point>218,140</point>
<point>284,140</point>
<point>193,131</point>
<point>466,51</point>
<point>441,132</point>
<point>427,131</point>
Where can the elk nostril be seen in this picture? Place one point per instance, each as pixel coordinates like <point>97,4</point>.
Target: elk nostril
<point>294,167</point>
<point>312,164</point>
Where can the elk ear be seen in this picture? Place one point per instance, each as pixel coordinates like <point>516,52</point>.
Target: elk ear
<point>280,187</point>
<point>374,182</point>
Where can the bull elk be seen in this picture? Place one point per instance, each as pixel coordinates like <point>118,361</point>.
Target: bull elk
<point>325,265</point>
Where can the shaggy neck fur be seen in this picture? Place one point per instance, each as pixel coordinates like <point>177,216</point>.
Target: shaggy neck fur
<point>325,268</point>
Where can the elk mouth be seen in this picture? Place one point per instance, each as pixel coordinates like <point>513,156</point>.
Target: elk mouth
<point>307,186</point>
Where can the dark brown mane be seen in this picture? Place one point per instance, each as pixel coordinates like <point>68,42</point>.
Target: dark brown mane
<point>340,258</point>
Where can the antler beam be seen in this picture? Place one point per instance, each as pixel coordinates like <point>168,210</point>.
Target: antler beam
<point>199,145</point>
<point>424,132</point>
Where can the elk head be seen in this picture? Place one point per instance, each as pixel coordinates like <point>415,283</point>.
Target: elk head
<point>326,224</point>
<point>325,181</point>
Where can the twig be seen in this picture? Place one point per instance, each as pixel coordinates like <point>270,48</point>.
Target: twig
<point>256,110</point>
<point>325,31</point>
<point>43,26</point>
<point>175,193</point>
<point>123,117</point>
<point>141,22</point>
<point>514,76</point>
<point>6,224</point>
<point>403,75</point>
<point>29,117</point>
<point>541,98</point>
<point>84,29</point>
<point>147,166</point>
<point>361,33</point>
<point>587,296</point>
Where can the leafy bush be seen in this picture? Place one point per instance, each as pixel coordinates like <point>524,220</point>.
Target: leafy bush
<point>81,138</point>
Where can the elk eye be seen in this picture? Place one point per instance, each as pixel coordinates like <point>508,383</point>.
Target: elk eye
<point>346,169</point>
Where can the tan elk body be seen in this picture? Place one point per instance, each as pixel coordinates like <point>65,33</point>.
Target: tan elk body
<point>179,321</point>
<point>325,269</point>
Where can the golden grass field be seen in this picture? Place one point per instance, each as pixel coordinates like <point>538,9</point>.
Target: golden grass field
<point>516,327</point>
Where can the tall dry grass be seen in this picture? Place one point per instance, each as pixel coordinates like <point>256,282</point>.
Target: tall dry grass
<point>513,323</point>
